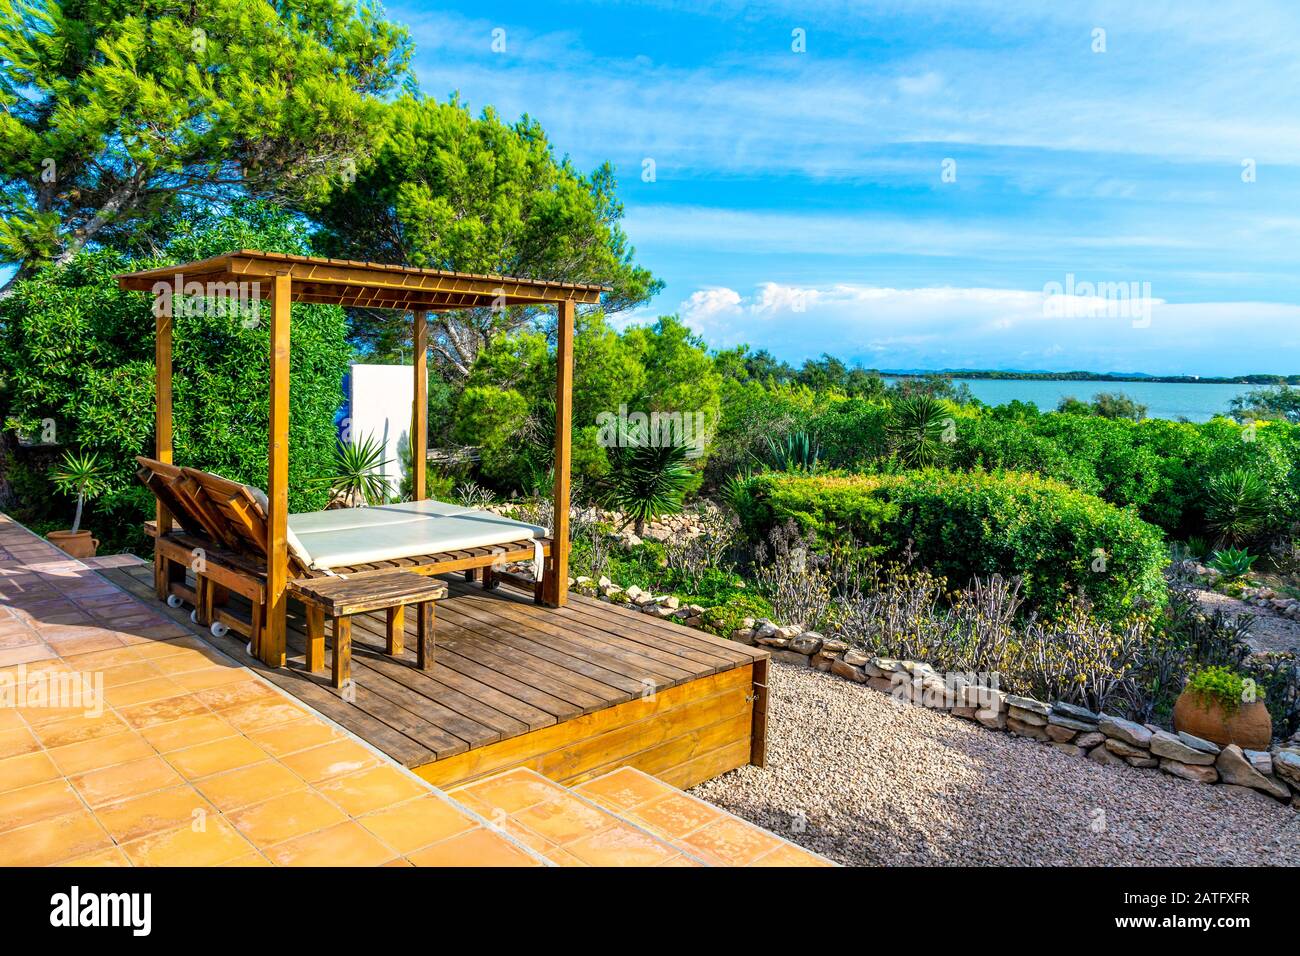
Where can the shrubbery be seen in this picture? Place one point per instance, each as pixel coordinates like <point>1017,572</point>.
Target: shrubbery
<point>77,350</point>
<point>1057,539</point>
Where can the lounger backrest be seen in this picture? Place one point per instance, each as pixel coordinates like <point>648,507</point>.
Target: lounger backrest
<point>243,514</point>
<point>162,479</point>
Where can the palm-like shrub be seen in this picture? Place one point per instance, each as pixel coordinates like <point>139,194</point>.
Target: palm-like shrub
<point>916,431</point>
<point>82,474</point>
<point>355,474</point>
<point>645,479</point>
<point>1237,504</point>
<point>796,451</point>
<point>1232,562</point>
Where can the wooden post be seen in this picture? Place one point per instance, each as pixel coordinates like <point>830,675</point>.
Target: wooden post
<point>277,479</point>
<point>164,309</point>
<point>556,582</point>
<point>420,412</point>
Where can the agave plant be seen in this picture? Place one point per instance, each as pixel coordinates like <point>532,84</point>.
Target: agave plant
<point>81,474</point>
<point>917,430</point>
<point>797,451</point>
<point>355,475</point>
<point>646,479</point>
<point>1237,503</point>
<point>1232,563</point>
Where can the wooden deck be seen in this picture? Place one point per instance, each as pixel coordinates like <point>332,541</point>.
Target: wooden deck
<point>572,692</point>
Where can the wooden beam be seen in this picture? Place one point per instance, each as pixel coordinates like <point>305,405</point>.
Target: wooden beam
<point>162,360</point>
<point>277,478</point>
<point>420,411</point>
<point>555,586</point>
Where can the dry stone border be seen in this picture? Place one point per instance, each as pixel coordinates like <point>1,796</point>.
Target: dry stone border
<point>1074,730</point>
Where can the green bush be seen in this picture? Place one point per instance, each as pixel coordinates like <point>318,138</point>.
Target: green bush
<point>961,525</point>
<point>77,350</point>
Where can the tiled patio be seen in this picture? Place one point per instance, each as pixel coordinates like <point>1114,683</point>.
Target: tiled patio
<point>186,757</point>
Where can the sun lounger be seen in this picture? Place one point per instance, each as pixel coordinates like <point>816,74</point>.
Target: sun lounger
<point>223,533</point>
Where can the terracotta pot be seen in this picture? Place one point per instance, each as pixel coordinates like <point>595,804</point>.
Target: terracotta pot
<point>78,544</point>
<point>1249,727</point>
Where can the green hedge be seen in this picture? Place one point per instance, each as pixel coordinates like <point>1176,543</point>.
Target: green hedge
<point>76,349</point>
<point>963,524</point>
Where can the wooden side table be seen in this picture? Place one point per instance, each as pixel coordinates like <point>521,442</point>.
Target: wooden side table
<point>340,598</point>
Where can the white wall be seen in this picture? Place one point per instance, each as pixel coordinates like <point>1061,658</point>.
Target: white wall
<point>381,399</point>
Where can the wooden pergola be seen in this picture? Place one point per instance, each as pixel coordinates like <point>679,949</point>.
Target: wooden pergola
<point>285,279</point>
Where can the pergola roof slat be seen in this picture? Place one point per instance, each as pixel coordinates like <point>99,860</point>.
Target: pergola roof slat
<point>366,284</point>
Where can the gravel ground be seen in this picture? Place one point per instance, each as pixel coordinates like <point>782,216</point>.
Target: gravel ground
<point>866,781</point>
<point>1271,632</point>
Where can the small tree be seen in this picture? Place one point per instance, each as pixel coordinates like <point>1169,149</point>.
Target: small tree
<point>81,474</point>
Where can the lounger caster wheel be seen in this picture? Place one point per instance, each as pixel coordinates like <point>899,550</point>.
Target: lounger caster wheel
<point>174,600</point>
<point>194,616</point>
<point>218,629</point>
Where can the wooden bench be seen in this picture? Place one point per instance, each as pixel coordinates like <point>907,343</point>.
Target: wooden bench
<point>340,598</point>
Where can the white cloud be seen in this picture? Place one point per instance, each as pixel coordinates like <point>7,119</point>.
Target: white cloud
<point>942,327</point>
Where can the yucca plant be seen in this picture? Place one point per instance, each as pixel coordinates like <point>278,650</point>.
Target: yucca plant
<point>1237,503</point>
<point>796,451</point>
<point>646,480</point>
<point>81,474</point>
<point>355,473</point>
<point>1232,563</point>
<point>916,430</point>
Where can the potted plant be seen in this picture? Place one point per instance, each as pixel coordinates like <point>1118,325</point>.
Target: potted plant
<point>1219,704</point>
<point>84,475</point>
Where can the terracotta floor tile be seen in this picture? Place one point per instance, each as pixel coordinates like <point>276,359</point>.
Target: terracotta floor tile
<point>17,741</point>
<point>84,643</point>
<point>248,785</point>
<point>187,732</point>
<point>187,662</point>
<point>416,823</point>
<point>371,789</point>
<point>730,842</point>
<point>129,673</point>
<point>346,844</point>
<point>38,802</point>
<point>26,654</point>
<point>142,692</point>
<point>156,712</point>
<point>565,858</point>
<point>125,780</point>
<point>110,856</point>
<point>10,719</point>
<point>478,847</point>
<point>285,817</point>
<point>512,791</point>
<point>157,649</point>
<point>563,819</point>
<point>218,842</point>
<point>248,859</point>
<point>261,714</point>
<point>216,756</point>
<point>787,855</point>
<point>246,691</point>
<point>25,770</point>
<point>330,760</point>
<point>53,841</point>
<point>74,730</point>
<point>625,788</point>
<point>682,860</point>
<point>101,660</point>
<point>141,816</point>
<point>100,752</point>
<point>294,736</point>
<point>209,677</point>
<point>675,815</point>
<point>621,845</point>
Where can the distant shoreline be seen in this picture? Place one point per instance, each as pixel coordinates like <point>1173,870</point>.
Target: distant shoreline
<point>1252,379</point>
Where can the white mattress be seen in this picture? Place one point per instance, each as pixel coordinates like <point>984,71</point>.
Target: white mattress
<point>329,539</point>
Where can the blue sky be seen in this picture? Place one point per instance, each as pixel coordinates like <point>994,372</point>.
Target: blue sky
<point>798,201</point>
